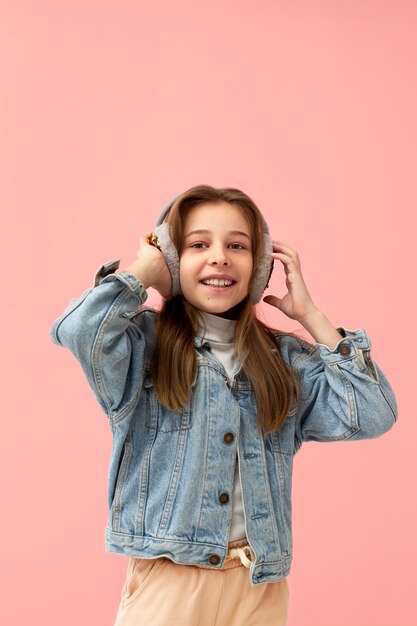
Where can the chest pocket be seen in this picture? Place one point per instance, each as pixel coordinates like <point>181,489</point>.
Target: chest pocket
<point>159,417</point>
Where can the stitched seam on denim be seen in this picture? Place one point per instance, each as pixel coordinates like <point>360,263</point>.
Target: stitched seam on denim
<point>296,367</point>
<point>304,345</point>
<point>268,492</point>
<point>356,336</point>
<point>353,412</point>
<point>186,542</point>
<point>134,284</point>
<point>369,364</point>
<point>338,359</point>
<point>144,480</point>
<point>353,409</point>
<point>302,357</point>
<point>97,350</point>
<point>205,453</point>
<point>297,444</point>
<point>287,557</point>
<point>152,421</point>
<point>173,483</point>
<point>126,410</point>
<point>71,310</point>
<point>142,309</point>
<point>281,480</point>
<point>216,365</point>
<point>394,412</point>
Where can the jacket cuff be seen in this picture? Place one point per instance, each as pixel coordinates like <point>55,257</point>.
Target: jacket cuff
<point>353,344</point>
<point>106,273</point>
<point>105,270</point>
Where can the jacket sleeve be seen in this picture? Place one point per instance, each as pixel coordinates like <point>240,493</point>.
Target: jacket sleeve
<point>96,328</point>
<point>344,393</point>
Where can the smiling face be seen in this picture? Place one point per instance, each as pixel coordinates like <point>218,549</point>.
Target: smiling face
<point>216,259</point>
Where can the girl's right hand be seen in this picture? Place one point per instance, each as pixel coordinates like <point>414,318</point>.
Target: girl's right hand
<point>151,269</point>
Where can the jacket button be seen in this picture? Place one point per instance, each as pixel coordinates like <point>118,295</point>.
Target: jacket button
<point>214,559</point>
<point>223,498</point>
<point>228,438</point>
<point>344,349</point>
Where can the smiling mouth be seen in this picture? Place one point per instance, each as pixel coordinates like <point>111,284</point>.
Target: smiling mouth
<point>218,282</point>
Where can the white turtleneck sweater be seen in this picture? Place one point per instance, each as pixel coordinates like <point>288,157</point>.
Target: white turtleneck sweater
<point>219,333</point>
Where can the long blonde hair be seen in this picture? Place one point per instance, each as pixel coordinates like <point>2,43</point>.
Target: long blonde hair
<point>175,362</point>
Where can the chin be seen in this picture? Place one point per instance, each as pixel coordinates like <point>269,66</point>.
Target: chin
<point>231,313</point>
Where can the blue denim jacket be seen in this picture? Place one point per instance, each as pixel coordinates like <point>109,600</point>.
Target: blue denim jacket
<point>169,470</point>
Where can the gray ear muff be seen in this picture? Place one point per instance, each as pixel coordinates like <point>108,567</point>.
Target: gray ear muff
<point>262,273</point>
<point>168,249</point>
<point>264,270</point>
<point>170,255</point>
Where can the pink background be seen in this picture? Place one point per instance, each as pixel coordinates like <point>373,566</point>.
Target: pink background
<point>108,110</point>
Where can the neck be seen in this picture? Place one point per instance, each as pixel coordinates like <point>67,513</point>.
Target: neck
<point>215,327</point>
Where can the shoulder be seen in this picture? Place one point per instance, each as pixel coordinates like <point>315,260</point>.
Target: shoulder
<point>293,348</point>
<point>145,319</point>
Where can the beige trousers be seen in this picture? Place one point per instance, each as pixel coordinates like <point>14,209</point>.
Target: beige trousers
<point>159,592</point>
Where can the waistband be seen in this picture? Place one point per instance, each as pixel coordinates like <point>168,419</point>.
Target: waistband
<point>239,553</point>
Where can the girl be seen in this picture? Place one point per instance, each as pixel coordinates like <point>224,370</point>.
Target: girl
<point>207,408</point>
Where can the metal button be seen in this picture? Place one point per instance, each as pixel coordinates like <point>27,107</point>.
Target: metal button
<point>214,559</point>
<point>344,349</point>
<point>228,438</point>
<point>224,498</point>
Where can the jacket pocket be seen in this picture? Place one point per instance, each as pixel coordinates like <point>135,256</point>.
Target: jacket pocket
<point>159,417</point>
<point>121,475</point>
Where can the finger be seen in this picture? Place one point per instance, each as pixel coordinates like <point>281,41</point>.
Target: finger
<point>282,256</point>
<point>292,254</point>
<point>291,263</point>
<point>149,239</point>
<point>145,238</point>
<point>287,260</point>
<point>273,301</point>
<point>280,245</point>
<point>144,241</point>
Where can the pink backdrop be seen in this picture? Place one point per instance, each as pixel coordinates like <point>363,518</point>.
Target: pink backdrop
<point>108,110</point>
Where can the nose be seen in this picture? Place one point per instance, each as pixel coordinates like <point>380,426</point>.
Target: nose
<point>218,255</point>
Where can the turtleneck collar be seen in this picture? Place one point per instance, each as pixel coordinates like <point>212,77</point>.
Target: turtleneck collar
<point>215,328</point>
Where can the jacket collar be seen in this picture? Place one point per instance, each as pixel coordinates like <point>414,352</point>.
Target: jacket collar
<point>199,342</point>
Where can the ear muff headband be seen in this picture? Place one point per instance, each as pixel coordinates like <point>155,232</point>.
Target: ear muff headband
<point>262,272</point>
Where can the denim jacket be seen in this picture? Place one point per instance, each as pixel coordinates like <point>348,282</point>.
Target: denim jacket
<point>170,479</point>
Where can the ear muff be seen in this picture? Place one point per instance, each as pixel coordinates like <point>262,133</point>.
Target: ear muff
<point>262,272</point>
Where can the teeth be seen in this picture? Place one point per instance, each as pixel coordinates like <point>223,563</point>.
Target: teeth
<point>216,282</point>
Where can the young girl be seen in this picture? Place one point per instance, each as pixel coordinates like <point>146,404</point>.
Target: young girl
<point>207,408</point>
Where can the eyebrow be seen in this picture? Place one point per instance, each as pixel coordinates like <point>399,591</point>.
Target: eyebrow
<point>208,232</point>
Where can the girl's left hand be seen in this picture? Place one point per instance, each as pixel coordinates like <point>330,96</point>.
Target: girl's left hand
<point>297,303</point>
